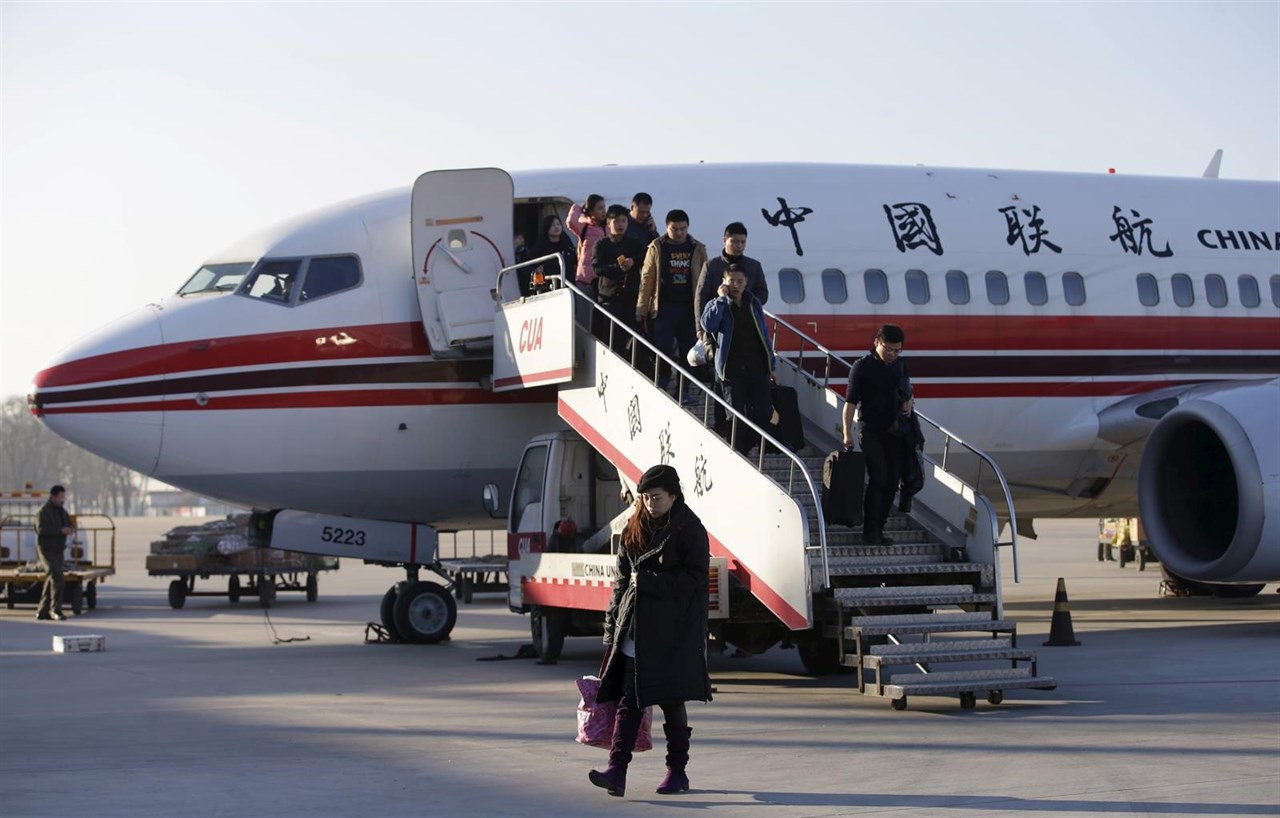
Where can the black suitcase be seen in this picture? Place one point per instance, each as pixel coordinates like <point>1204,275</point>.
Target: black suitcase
<point>788,429</point>
<point>844,474</point>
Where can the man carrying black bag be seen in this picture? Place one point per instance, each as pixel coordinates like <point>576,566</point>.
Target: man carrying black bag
<point>874,382</point>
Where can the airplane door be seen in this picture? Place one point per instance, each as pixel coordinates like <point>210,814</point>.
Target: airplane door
<point>462,236</point>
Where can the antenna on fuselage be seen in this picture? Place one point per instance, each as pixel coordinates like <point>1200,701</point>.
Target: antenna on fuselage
<point>1215,164</point>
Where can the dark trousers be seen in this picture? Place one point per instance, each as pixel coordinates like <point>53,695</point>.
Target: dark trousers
<point>673,332</point>
<point>51,557</point>
<point>630,712</point>
<point>885,455</point>
<point>751,395</point>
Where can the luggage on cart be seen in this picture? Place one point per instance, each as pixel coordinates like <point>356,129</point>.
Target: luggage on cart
<point>788,429</point>
<point>843,478</point>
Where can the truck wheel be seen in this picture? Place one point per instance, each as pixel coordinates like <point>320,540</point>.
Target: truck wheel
<point>233,589</point>
<point>995,696</point>
<point>313,588</point>
<point>548,627</point>
<point>9,601</point>
<point>425,613</point>
<point>968,700</point>
<point>820,657</point>
<point>387,612</point>
<point>177,594</point>
<point>91,595</point>
<point>899,704</point>
<point>75,590</point>
<point>266,590</point>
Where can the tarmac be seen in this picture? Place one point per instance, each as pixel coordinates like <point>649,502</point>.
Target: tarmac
<point>1169,707</point>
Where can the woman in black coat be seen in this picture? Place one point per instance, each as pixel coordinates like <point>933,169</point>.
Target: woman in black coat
<point>655,630</point>
<point>551,239</point>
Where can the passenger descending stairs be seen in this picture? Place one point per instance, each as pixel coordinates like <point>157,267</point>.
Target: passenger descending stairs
<point>899,613</point>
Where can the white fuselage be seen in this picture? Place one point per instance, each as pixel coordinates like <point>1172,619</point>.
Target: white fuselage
<point>337,405</point>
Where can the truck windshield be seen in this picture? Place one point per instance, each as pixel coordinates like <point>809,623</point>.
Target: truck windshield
<point>216,278</point>
<point>529,482</point>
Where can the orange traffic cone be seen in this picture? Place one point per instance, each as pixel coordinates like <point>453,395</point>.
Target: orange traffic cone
<point>1061,634</point>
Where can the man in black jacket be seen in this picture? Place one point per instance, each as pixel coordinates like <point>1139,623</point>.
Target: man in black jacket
<point>617,261</point>
<point>52,527</point>
<point>712,273</point>
<point>874,384</point>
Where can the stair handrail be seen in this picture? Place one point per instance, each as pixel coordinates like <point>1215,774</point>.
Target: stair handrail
<point>948,435</point>
<point>679,370</point>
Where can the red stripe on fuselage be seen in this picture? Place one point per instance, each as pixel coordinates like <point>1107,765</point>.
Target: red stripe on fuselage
<point>296,346</point>
<point>317,400</point>
<point>924,332</point>
<point>1041,332</point>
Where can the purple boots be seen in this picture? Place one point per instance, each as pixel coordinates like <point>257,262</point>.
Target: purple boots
<point>677,757</point>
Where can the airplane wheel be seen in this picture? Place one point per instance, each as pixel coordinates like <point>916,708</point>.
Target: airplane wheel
<point>313,588</point>
<point>177,594</point>
<point>387,611</point>
<point>995,696</point>
<point>91,595</point>
<point>548,627</point>
<point>899,704</point>
<point>425,613</point>
<point>968,701</point>
<point>233,589</point>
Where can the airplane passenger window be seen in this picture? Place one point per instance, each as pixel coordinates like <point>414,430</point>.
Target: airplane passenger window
<point>1148,290</point>
<point>1073,288</point>
<point>1037,289</point>
<point>273,280</point>
<point>833,286</point>
<point>1215,290</point>
<point>329,275</point>
<point>876,285</point>
<point>1247,286</point>
<point>792,285</point>
<point>221,278</point>
<point>1183,293</point>
<point>997,287</point>
<point>917,287</point>
<point>957,287</point>
<point>1275,290</point>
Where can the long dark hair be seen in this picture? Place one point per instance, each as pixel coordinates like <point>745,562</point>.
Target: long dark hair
<point>635,537</point>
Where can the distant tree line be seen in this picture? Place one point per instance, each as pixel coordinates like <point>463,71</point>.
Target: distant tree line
<point>32,453</point>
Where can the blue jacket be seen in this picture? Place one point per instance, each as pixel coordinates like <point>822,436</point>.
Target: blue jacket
<point>717,320</point>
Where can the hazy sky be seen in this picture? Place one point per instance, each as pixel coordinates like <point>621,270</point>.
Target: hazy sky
<point>140,138</point>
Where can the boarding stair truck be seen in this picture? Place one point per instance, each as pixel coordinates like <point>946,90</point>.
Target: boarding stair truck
<point>788,577</point>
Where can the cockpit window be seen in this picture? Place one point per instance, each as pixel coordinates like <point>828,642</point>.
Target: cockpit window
<point>220,278</point>
<point>329,275</point>
<point>273,280</point>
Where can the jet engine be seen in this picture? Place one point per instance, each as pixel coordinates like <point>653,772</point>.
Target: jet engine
<point>1209,484</point>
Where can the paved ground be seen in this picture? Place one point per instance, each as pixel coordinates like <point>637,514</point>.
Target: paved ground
<point>1169,707</point>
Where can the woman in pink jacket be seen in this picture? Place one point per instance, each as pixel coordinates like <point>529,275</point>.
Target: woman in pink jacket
<point>587,225</point>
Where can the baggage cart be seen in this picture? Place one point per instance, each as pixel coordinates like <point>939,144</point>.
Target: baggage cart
<point>89,559</point>
<point>221,550</point>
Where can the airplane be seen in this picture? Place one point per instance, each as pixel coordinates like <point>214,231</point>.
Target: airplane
<point>1112,341</point>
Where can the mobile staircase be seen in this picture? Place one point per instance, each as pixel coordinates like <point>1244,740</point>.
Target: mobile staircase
<point>930,600</point>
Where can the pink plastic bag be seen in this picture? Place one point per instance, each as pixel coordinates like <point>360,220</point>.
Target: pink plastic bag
<point>595,721</point>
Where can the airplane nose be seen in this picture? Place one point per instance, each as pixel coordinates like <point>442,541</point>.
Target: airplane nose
<point>105,392</point>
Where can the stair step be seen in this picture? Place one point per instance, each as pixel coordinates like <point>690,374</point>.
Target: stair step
<point>900,551</point>
<point>965,681</point>
<point>905,624</point>
<point>912,595</point>
<point>861,569</point>
<point>974,650</point>
<point>888,559</point>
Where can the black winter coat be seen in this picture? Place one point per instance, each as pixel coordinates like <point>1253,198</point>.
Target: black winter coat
<point>664,592</point>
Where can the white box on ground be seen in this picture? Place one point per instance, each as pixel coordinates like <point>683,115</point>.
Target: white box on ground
<point>79,644</point>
